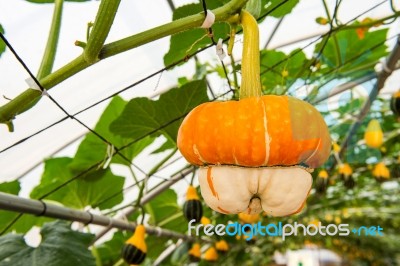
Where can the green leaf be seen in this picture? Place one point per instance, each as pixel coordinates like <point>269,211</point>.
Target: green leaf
<point>353,52</point>
<point>164,212</point>
<point>92,149</point>
<point>52,1</point>
<point>60,246</point>
<point>110,251</point>
<point>142,116</point>
<point>167,145</point>
<point>12,187</point>
<point>280,11</point>
<point>280,70</point>
<point>89,191</point>
<point>187,42</point>
<point>2,44</point>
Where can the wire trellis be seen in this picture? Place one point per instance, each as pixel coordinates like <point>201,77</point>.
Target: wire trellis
<point>160,71</point>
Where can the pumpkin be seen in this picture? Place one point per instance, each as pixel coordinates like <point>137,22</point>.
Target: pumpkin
<point>373,135</point>
<point>322,181</point>
<point>395,104</point>
<point>346,172</point>
<point>192,208</point>
<point>135,249</point>
<point>256,153</point>
<point>195,253</point>
<point>222,246</point>
<point>381,172</point>
<point>211,255</point>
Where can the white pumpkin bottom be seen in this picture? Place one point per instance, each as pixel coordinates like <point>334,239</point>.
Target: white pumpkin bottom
<point>279,191</point>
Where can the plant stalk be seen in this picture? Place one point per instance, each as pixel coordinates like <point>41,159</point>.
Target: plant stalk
<point>102,25</point>
<point>25,100</point>
<point>51,47</point>
<point>251,83</point>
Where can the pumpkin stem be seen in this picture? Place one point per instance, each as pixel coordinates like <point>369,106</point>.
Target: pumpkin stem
<point>251,84</point>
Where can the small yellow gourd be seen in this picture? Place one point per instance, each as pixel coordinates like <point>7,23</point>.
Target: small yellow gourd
<point>373,135</point>
<point>222,246</point>
<point>211,255</point>
<point>322,181</point>
<point>248,218</point>
<point>381,172</point>
<point>192,208</point>
<point>346,173</point>
<point>204,220</point>
<point>195,253</point>
<point>135,248</point>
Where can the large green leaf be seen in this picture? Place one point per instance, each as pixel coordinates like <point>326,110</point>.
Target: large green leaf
<point>92,149</point>
<point>60,246</point>
<point>187,42</point>
<point>279,7</point>
<point>89,191</point>
<point>110,251</point>
<point>142,116</point>
<point>280,70</point>
<point>349,52</point>
<point>164,212</point>
<point>2,44</point>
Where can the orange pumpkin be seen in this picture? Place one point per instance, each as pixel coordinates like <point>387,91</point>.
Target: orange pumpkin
<point>255,132</point>
<point>254,154</point>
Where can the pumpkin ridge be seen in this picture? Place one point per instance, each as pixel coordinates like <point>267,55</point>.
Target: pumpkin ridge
<point>210,183</point>
<point>267,138</point>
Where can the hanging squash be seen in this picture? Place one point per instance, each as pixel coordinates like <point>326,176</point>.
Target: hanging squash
<point>346,173</point>
<point>135,249</point>
<point>195,253</point>
<point>211,255</point>
<point>395,104</point>
<point>381,172</point>
<point>322,181</point>
<point>249,218</point>
<point>222,246</point>
<point>373,135</point>
<point>192,208</point>
<point>257,153</point>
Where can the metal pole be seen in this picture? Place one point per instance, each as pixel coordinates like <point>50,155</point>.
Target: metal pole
<point>167,252</point>
<point>14,203</point>
<point>36,207</point>
<point>146,198</point>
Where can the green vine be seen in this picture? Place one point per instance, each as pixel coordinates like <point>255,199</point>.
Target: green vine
<point>27,99</point>
<point>101,28</point>
<point>51,47</point>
